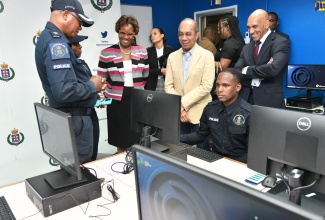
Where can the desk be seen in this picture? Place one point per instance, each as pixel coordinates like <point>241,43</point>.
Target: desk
<point>124,184</point>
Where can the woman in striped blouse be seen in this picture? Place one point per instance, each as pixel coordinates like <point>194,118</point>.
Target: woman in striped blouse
<point>125,66</point>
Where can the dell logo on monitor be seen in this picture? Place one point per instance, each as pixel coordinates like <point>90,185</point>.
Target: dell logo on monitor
<point>303,124</point>
<point>149,97</point>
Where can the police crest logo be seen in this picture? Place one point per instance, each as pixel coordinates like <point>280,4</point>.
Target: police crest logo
<point>2,7</point>
<point>45,100</point>
<point>102,5</point>
<point>59,51</point>
<point>7,73</point>
<point>239,120</point>
<point>15,138</point>
<point>35,38</point>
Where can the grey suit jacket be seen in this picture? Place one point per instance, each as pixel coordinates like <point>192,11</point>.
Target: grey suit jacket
<point>270,92</point>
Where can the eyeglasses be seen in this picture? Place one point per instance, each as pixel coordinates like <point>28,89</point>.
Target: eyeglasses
<point>122,34</point>
<point>80,21</point>
<point>187,34</point>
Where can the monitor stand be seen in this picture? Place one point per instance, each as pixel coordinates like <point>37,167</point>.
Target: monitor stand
<point>61,178</point>
<point>314,203</point>
<point>146,140</point>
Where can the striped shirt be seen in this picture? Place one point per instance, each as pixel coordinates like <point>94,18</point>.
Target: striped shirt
<point>110,67</point>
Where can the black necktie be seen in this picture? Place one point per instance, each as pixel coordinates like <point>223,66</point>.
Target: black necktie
<point>257,46</point>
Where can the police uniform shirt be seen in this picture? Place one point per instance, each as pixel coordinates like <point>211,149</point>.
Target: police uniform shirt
<point>228,127</point>
<point>64,77</point>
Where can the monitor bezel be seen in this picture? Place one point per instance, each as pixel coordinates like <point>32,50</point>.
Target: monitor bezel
<point>308,89</point>
<point>240,188</point>
<point>76,171</point>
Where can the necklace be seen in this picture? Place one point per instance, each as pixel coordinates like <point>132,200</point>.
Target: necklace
<point>126,53</point>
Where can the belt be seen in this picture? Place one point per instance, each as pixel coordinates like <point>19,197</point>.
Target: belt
<point>76,111</point>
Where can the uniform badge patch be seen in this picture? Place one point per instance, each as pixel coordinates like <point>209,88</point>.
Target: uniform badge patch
<point>239,120</point>
<point>59,50</point>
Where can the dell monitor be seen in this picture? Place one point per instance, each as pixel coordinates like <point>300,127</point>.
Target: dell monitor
<point>58,142</point>
<point>306,77</point>
<point>289,145</point>
<point>156,114</point>
<point>168,188</point>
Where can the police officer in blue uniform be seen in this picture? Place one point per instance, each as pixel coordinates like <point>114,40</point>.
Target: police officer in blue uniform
<point>69,89</point>
<point>226,120</point>
<point>77,49</point>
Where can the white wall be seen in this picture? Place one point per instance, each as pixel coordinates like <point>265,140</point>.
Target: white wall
<point>19,24</point>
<point>144,16</point>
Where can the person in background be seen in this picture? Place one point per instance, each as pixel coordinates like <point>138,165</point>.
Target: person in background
<point>263,62</point>
<point>190,74</point>
<point>77,49</point>
<point>231,44</point>
<point>274,22</point>
<point>157,71</point>
<point>68,88</point>
<point>208,39</point>
<point>225,120</point>
<point>124,66</point>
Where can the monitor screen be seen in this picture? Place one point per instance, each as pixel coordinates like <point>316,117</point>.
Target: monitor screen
<point>304,76</point>
<point>160,111</point>
<point>168,188</point>
<point>58,142</point>
<point>281,141</point>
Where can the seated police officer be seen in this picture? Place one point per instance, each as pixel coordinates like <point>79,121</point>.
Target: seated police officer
<point>226,120</point>
<point>69,89</point>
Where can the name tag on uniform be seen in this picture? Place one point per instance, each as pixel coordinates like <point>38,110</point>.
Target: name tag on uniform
<point>59,50</point>
<point>62,66</point>
<point>214,119</point>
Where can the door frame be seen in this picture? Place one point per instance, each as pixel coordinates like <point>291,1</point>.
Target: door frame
<point>199,14</point>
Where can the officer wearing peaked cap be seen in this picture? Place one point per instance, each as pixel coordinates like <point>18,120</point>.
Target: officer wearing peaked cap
<point>68,89</point>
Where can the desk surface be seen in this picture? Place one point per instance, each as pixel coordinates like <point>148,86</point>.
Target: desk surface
<point>124,184</point>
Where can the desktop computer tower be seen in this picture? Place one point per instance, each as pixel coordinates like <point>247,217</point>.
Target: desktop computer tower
<point>51,201</point>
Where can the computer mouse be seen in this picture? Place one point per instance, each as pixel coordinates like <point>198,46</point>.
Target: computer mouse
<point>269,181</point>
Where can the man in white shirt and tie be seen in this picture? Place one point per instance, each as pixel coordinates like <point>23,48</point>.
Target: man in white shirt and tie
<point>262,77</point>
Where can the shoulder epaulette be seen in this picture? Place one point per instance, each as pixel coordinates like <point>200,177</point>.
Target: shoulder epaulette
<point>55,34</point>
<point>213,102</point>
<point>245,105</point>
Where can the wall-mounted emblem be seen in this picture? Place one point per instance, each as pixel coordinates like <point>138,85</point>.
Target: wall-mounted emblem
<point>2,7</point>
<point>15,138</point>
<point>7,73</point>
<point>45,100</point>
<point>35,38</point>
<point>102,5</point>
<point>320,6</point>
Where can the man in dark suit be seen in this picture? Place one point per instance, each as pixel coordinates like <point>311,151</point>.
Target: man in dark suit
<point>274,22</point>
<point>263,62</point>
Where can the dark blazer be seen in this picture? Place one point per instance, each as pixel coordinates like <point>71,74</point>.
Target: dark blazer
<point>153,66</point>
<point>282,34</point>
<point>270,92</point>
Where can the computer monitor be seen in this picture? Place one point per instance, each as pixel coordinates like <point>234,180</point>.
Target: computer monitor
<point>169,188</point>
<point>58,142</point>
<point>307,77</point>
<point>290,145</point>
<point>156,114</point>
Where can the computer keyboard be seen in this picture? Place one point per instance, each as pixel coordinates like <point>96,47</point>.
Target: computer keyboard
<point>200,153</point>
<point>5,211</point>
